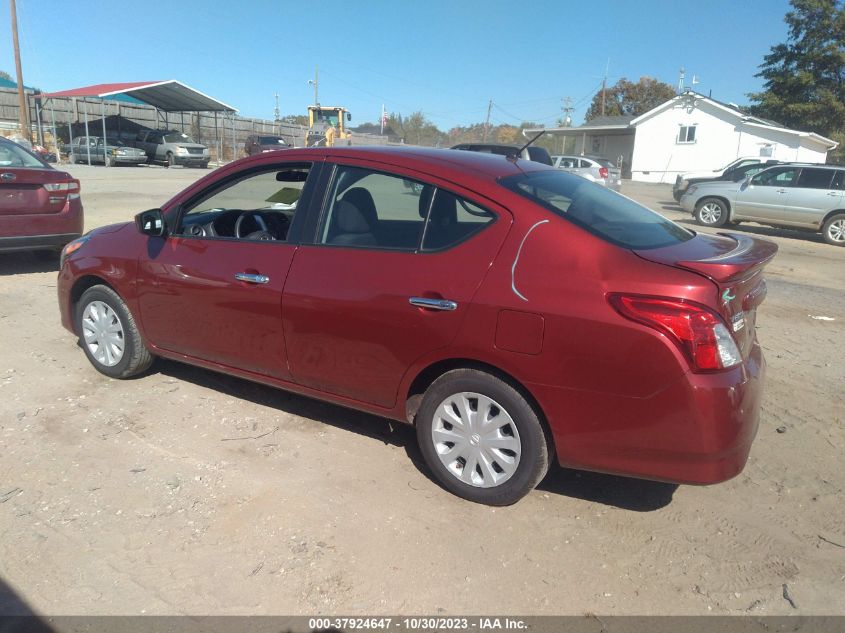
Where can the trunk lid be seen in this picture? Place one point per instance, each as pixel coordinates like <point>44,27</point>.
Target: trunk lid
<point>734,263</point>
<point>23,191</point>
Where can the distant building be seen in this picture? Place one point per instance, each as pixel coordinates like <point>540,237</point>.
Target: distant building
<point>691,132</point>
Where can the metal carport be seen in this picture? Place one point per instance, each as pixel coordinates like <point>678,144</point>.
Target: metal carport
<point>164,96</point>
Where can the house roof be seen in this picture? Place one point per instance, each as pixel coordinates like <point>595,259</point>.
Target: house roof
<point>617,124</point>
<point>736,112</point>
<point>168,96</point>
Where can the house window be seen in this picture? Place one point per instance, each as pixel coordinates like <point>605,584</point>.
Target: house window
<point>687,134</point>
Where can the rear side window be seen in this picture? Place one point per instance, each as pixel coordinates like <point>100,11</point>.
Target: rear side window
<point>839,179</point>
<point>602,212</point>
<point>13,155</point>
<point>776,177</point>
<point>451,220</point>
<point>815,178</point>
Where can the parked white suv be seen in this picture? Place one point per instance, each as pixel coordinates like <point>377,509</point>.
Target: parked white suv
<point>594,168</point>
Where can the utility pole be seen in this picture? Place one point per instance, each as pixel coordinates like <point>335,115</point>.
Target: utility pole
<point>316,83</point>
<point>22,109</point>
<point>681,77</point>
<point>487,122</point>
<point>567,111</point>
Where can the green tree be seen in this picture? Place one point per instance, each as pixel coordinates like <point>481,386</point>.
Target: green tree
<point>629,98</point>
<point>804,78</point>
<point>5,75</point>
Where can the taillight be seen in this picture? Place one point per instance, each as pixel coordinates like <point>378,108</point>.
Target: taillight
<point>69,188</point>
<point>603,172</point>
<point>698,331</point>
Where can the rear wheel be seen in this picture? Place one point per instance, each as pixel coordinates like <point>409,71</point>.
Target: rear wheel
<point>834,230</point>
<point>109,161</point>
<point>711,212</point>
<point>481,438</point>
<point>171,161</point>
<point>108,334</point>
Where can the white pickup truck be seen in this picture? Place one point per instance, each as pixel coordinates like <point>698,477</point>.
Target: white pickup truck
<point>683,181</point>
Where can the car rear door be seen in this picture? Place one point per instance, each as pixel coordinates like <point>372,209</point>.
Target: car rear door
<point>766,195</point>
<point>209,295</point>
<point>814,195</point>
<point>372,293</point>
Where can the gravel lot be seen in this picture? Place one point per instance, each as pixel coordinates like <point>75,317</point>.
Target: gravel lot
<point>189,492</point>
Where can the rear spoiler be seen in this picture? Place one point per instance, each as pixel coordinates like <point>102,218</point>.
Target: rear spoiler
<point>743,261</point>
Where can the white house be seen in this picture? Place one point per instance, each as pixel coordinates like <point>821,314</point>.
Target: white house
<point>692,132</point>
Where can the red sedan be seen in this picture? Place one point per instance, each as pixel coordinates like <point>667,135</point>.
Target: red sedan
<point>40,208</point>
<point>511,311</point>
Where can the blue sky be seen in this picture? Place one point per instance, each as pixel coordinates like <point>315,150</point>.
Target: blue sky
<point>445,58</point>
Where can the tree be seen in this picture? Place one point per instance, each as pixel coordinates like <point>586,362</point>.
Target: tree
<point>628,98</point>
<point>804,78</point>
<point>5,75</point>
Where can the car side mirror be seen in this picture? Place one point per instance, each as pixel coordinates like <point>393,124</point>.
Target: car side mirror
<point>151,223</point>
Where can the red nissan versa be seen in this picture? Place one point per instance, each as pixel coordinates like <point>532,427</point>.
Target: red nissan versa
<point>40,207</point>
<point>509,310</point>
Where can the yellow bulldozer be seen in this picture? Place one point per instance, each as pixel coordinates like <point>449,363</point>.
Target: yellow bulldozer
<point>319,120</point>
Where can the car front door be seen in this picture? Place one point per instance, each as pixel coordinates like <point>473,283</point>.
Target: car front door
<point>375,291</point>
<point>766,195</point>
<point>212,289</point>
<point>815,194</point>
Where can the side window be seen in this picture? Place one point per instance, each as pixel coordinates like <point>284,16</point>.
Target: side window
<point>838,180</point>
<point>782,177</point>
<point>815,178</point>
<point>452,220</point>
<point>260,206</point>
<point>686,134</point>
<point>372,209</point>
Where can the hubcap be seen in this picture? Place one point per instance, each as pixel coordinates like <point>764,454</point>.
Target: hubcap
<point>710,213</point>
<point>836,231</point>
<point>103,333</point>
<point>476,439</point>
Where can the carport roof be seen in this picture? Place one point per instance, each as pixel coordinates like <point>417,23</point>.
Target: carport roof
<point>168,96</point>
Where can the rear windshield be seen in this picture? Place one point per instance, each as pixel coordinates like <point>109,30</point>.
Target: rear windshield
<point>270,140</point>
<point>13,155</point>
<point>605,163</point>
<point>604,213</point>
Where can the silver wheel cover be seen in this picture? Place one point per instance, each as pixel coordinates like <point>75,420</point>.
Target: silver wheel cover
<point>710,213</point>
<point>103,333</point>
<point>836,230</point>
<point>476,439</point>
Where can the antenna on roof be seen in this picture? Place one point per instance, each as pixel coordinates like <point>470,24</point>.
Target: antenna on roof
<point>521,149</point>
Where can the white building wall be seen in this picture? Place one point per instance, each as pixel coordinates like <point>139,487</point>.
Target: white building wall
<point>720,138</point>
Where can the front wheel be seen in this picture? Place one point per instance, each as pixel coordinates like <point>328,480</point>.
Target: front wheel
<point>109,161</point>
<point>834,230</point>
<point>711,212</point>
<point>481,438</point>
<point>171,161</point>
<point>108,334</point>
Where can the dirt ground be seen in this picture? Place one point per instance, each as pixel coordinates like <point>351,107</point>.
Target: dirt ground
<point>189,492</point>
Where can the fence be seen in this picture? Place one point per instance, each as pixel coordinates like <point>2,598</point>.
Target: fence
<point>224,134</point>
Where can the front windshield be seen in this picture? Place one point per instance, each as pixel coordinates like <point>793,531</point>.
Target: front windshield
<point>13,155</point>
<point>603,212</point>
<point>178,137</point>
<point>115,141</point>
<point>329,117</point>
<point>270,140</point>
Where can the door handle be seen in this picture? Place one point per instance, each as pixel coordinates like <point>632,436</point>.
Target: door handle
<point>251,278</point>
<point>781,190</point>
<point>834,193</point>
<point>433,304</point>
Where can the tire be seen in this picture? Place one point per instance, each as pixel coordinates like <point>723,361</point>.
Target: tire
<point>100,312</point>
<point>833,230</point>
<point>109,161</point>
<point>711,212</point>
<point>170,160</point>
<point>73,159</point>
<point>522,448</point>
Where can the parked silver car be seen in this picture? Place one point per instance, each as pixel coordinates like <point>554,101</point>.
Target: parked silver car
<point>593,168</point>
<point>114,152</point>
<point>794,195</point>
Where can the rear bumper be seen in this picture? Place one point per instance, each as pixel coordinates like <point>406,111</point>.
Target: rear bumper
<point>697,431</point>
<point>36,242</point>
<point>32,231</point>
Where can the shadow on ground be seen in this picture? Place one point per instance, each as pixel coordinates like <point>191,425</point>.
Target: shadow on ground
<point>621,492</point>
<point>21,262</point>
<point>16,616</point>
